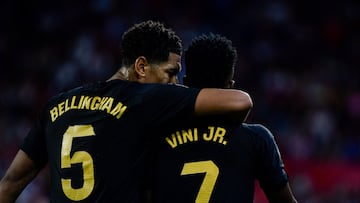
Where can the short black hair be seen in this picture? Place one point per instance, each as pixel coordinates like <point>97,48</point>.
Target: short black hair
<point>150,39</point>
<point>210,61</point>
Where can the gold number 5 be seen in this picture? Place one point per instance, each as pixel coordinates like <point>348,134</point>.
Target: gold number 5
<point>83,157</point>
<point>211,173</point>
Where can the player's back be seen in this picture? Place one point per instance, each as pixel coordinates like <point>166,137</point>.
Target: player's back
<point>97,138</point>
<point>216,163</point>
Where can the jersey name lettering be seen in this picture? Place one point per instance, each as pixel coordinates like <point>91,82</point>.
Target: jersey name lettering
<point>96,103</point>
<point>212,134</point>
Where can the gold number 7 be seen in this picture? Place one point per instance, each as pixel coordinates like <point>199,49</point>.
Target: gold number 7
<point>211,173</point>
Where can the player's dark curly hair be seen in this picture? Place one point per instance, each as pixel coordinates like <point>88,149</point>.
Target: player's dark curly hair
<point>210,61</point>
<point>150,39</point>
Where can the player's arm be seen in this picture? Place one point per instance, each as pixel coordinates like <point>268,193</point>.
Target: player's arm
<point>284,195</point>
<point>270,169</point>
<point>21,171</point>
<point>233,104</point>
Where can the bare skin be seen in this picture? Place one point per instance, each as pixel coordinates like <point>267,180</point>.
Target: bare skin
<point>21,171</point>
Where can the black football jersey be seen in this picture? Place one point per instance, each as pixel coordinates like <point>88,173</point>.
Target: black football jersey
<point>96,138</point>
<point>216,163</point>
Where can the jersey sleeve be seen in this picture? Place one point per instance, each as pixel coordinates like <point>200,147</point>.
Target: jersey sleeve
<point>34,144</point>
<point>168,103</point>
<point>270,167</point>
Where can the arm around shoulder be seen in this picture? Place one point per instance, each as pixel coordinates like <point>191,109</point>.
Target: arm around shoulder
<point>231,103</point>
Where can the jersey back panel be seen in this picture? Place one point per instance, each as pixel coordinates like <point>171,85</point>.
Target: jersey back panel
<point>96,138</point>
<point>216,163</point>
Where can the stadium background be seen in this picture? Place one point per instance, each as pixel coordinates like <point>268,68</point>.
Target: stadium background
<point>299,61</point>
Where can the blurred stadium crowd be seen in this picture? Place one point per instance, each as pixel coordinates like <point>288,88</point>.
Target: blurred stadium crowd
<point>299,61</point>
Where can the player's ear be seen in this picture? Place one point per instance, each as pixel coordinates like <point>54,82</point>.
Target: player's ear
<point>139,66</point>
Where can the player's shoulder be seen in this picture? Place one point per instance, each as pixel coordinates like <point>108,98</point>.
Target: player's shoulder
<point>66,93</point>
<point>257,129</point>
<point>119,88</point>
<point>93,88</point>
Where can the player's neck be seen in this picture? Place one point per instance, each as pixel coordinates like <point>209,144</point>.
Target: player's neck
<point>121,74</point>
